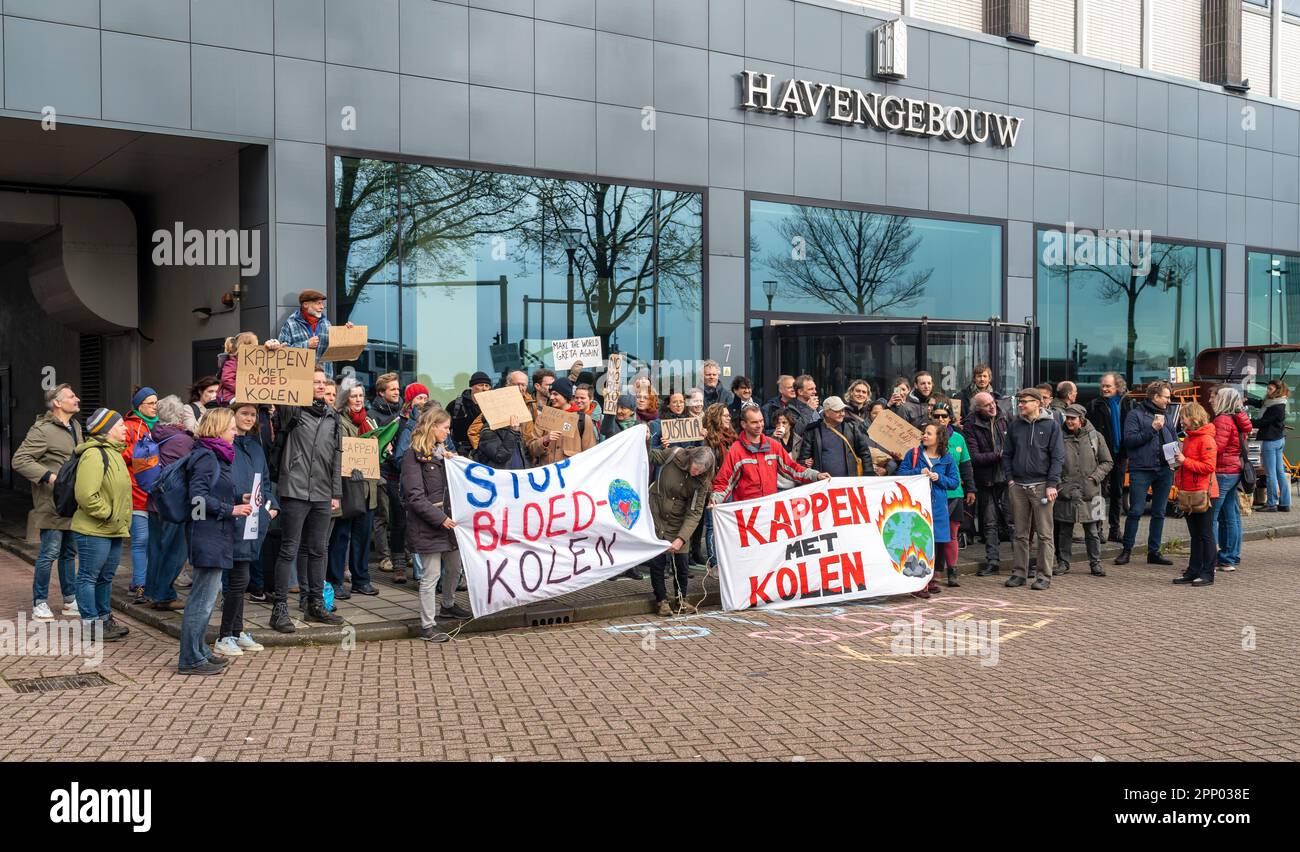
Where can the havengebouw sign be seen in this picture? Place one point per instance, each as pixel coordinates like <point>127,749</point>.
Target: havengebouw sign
<point>890,113</point>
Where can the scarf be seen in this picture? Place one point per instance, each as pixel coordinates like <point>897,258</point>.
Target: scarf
<point>318,407</point>
<point>223,450</point>
<point>311,321</point>
<point>148,421</point>
<point>359,418</point>
<point>1113,403</point>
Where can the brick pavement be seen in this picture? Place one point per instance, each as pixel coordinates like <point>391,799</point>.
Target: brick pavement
<point>1127,667</point>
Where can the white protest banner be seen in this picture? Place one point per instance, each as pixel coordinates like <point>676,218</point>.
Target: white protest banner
<point>830,541</point>
<point>566,353</point>
<point>529,535</point>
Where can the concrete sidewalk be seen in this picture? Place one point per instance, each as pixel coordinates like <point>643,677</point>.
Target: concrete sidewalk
<point>394,613</point>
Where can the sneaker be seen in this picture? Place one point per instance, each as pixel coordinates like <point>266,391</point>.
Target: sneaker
<point>365,590</point>
<point>341,593</point>
<point>433,634</point>
<point>257,593</point>
<point>218,660</point>
<point>454,611</point>
<point>41,612</point>
<point>1098,571</point>
<point>1201,581</point>
<point>247,643</point>
<point>111,626</point>
<point>986,569</point>
<point>386,565</point>
<point>227,647</point>
<point>204,668</point>
<point>1061,568</point>
<point>1040,584</point>
<point>1014,580</point>
<point>1227,567</point>
<point>70,608</point>
<point>137,595</point>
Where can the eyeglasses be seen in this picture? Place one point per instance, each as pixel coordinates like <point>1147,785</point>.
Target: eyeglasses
<point>943,417</point>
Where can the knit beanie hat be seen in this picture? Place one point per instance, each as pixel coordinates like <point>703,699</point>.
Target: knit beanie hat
<point>413,390</point>
<point>141,395</point>
<point>563,387</point>
<point>102,421</point>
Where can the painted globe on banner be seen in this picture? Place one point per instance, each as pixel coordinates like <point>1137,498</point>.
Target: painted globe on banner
<point>904,530</point>
<point>624,502</point>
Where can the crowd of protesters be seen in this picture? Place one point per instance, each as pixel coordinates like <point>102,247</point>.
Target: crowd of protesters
<point>1028,469</point>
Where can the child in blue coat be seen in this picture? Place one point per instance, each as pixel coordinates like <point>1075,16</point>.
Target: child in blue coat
<point>933,459</point>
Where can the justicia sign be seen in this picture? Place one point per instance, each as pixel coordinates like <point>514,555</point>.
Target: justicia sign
<point>845,105</point>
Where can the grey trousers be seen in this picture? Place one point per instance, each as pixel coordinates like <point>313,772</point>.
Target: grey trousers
<point>431,566</point>
<point>1091,539</point>
<point>1031,516</point>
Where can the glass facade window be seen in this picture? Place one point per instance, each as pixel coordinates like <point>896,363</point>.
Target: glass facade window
<point>833,260</point>
<point>1114,310</point>
<point>456,270</point>
<point>1272,298</point>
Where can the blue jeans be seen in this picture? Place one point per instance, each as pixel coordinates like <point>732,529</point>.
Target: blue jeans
<point>169,545</point>
<point>350,541</point>
<point>139,548</point>
<point>1279,484</point>
<point>1225,519</point>
<point>97,559</point>
<point>55,544</point>
<point>1159,481</point>
<point>198,610</point>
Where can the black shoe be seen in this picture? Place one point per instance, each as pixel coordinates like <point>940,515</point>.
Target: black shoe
<point>1182,581</point>
<point>1201,581</point>
<point>204,668</point>
<point>257,594</point>
<point>1124,557</point>
<point>1098,571</point>
<point>1284,508</point>
<point>1158,559</point>
<point>218,660</point>
<point>433,634</point>
<point>280,620</point>
<point>952,579</point>
<point>316,612</point>
<point>1015,580</point>
<point>341,594</point>
<point>113,630</point>
<point>365,590</point>
<point>1268,509</point>
<point>1061,568</point>
<point>1115,537</point>
<point>1040,584</point>
<point>454,611</point>
<point>987,569</point>
<point>633,574</point>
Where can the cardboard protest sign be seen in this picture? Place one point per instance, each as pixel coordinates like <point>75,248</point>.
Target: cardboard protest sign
<point>566,353</point>
<point>274,376</point>
<point>682,430</point>
<point>556,420</point>
<point>893,433</point>
<point>346,344</point>
<point>529,535</point>
<point>834,540</point>
<point>613,382</point>
<point>361,454</point>
<point>956,409</point>
<point>499,405</point>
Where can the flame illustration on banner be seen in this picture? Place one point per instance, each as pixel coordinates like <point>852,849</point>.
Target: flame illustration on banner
<point>907,529</point>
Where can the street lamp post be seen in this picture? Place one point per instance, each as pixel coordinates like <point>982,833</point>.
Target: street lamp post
<point>570,236</point>
<point>769,288</point>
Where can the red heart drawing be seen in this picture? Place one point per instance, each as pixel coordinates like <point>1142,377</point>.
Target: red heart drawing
<point>624,507</point>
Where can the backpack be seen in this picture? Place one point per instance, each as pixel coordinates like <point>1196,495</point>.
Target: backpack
<point>171,493</point>
<point>145,468</point>
<point>65,484</point>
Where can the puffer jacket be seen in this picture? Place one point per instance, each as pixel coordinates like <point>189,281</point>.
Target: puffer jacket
<point>103,490</point>
<point>1087,464</point>
<point>47,446</point>
<point>424,496</point>
<point>1196,473</point>
<point>211,484</point>
<point>307,445</point>
<point>136,429</point>
<point>1228,432</point>
<point>915,461</point>
<point>250,460</point>
<point>676,498</point>
<point>1143,444</point>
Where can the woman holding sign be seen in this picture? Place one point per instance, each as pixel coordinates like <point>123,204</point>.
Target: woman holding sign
<point>934,461</point>
<point>350,537</point>
<point>429,534</point>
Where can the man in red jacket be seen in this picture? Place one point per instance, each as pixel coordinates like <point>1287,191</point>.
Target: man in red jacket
<point>750,467</point>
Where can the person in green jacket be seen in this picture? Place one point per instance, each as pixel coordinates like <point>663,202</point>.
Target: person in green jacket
<point>103,518</point>
<point>964,494</point>
<point>677,500</point>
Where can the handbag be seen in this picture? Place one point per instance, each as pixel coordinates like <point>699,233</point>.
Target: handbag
<point>1193,502</point>
<point>355,499</point>
<point>1247,481</point>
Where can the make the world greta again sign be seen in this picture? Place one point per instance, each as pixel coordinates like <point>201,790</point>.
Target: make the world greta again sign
<point>890,113</point>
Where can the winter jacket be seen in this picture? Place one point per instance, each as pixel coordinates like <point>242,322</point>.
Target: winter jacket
<point>966,396</point>
<point>733,408</point>
<point>815,448</point>
<point>1229,429</point>
<point>103,490</point>
<point>717,394</point>
<point>174,443</point>
<point>384,412</point>
<point>503,449</point>
<point>38,458</point>
<point>1196,473</point>
<point>1033,451</point>
<point>657,432</point>
<point>915,409</point>
<point>1272,419</point>
<point>793,446</point>
<point>1099,417</point>
<point>212,485</point>
<point>250,460</point>
<point>965,471</point>
<point>916,461</point>
<point>750,471</point>
<point>806,414</point>
<point>348,429</point>
<point>1087,464</point>
<point>136,429</point>
<point>296,332</point>
<point>676,498</point>
<point>582,438</point>
<point>1143,445</point>
<point>226,372</point>
<point>769,409</point>
<point>307,446</point>
<point>464,410</point>
<point>424,496</point>
<point>986,438</point>
<point>479,425</point>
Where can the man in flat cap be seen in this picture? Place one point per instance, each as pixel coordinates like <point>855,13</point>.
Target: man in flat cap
<point>308,328</point>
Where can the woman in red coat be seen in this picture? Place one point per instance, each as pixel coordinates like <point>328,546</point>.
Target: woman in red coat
<point>1196,465</point>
